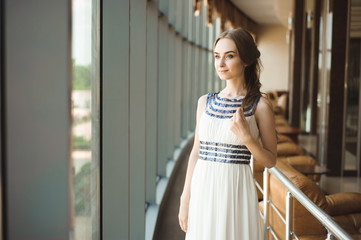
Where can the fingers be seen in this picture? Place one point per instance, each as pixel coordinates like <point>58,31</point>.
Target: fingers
<point>239,114</point>
<point>236,115</point>
<point>183,217</point>
<point>183,225</point>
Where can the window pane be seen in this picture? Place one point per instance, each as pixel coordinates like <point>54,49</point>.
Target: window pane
<point>352,105</point>
<point>85,114</point>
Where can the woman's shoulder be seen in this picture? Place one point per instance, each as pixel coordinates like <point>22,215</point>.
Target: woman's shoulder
<point>204,97</point>
<point>264,102</point>
<point>202,100</point>
<point>263,107</point>
<point>202,103</point>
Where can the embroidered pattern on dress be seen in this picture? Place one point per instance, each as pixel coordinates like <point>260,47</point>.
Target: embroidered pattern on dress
<point>226,153</point>
<point>224,108</point>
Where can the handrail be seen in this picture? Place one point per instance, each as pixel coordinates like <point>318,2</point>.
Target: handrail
<point>324,218</point>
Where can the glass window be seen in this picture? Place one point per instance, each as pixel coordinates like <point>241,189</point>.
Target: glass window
<point>85,116</point>
<point>352,105</point>
<point>351,152</point>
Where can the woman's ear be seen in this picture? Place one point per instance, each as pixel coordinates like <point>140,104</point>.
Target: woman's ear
<point>245,64</point>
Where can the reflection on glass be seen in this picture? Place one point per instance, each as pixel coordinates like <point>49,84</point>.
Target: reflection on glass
<point>85,147</point>
<point>352,101</point>
<point>306,79</point>
<point>325,50</point>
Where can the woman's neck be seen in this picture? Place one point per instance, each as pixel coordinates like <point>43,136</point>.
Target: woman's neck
<point>234,89</point>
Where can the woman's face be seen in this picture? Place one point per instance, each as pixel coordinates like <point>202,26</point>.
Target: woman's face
<point>227,61</point>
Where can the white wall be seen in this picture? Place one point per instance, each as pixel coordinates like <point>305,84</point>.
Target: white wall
<point>271,41</point>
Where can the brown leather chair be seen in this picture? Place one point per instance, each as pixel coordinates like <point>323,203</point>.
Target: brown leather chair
<point>344,208</point>
<point>292,160</point>
<point>289,149</point>
<point>285,148</point>
<point>280,121</point>
<point>301,161</point>
<point>273,98</point>
<point>283,138</point>
<point>279,101</point>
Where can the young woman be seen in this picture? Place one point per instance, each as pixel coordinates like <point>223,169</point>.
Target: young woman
<point>219,199</point>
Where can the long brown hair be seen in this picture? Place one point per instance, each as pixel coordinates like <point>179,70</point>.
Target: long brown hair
<point>249,55</point>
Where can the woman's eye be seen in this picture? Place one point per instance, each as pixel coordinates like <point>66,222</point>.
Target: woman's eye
<point>218,57</point>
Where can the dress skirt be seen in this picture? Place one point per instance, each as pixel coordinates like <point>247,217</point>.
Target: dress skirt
<point>223,203</point>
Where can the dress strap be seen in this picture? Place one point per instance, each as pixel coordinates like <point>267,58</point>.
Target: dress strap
<point>209,99</point>
<point>254,106</point>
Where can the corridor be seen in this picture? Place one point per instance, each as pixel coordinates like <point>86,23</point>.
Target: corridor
<point>98,106</point>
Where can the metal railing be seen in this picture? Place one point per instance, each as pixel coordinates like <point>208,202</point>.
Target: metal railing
<point>333,229</point>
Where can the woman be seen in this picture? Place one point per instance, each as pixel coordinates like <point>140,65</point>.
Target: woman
<point>219,199</point>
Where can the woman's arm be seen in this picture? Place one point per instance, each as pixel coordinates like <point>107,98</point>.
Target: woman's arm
<point>267,153</point>
<point>195,150</point>
<point>184,199</point>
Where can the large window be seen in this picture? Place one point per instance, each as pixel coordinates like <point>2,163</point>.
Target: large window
<point>324,65</point>
<point>351,154</point>
<point>85,115</point>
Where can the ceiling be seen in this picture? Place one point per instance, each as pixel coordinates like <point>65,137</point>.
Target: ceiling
<point>276,12</point>
<point>266,12</point>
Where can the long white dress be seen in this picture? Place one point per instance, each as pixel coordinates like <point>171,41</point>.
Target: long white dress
<point>223,199</point>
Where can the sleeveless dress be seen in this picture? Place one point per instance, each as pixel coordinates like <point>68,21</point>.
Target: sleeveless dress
<point>223,199</point>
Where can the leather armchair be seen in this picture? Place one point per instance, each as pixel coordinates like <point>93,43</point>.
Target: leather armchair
<point>279,101</point>
<point>289,149</point>
<point>281,121</point>
<point>283,139</point>
<point>344,208</point>
<point>292,160</point>
<point>285,148</point>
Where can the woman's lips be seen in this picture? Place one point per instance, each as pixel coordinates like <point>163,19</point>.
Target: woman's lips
<point>223,71</point>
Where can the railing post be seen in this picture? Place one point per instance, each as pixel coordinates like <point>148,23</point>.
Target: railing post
<point>329,235</point>
<point>265,200</point>
<point>334,230</point>
<point>289,215</point>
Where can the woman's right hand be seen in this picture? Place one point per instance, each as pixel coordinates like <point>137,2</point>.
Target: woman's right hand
<point>183,214</point>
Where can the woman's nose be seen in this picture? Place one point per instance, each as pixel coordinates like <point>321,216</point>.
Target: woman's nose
<point>221,62</point>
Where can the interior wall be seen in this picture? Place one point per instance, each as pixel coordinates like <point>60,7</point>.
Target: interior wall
<point>271,41</point>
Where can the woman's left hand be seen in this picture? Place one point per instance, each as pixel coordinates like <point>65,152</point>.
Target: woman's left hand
<point>239,126</point>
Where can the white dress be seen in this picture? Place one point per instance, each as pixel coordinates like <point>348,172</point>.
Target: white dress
<point>223,199</point>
